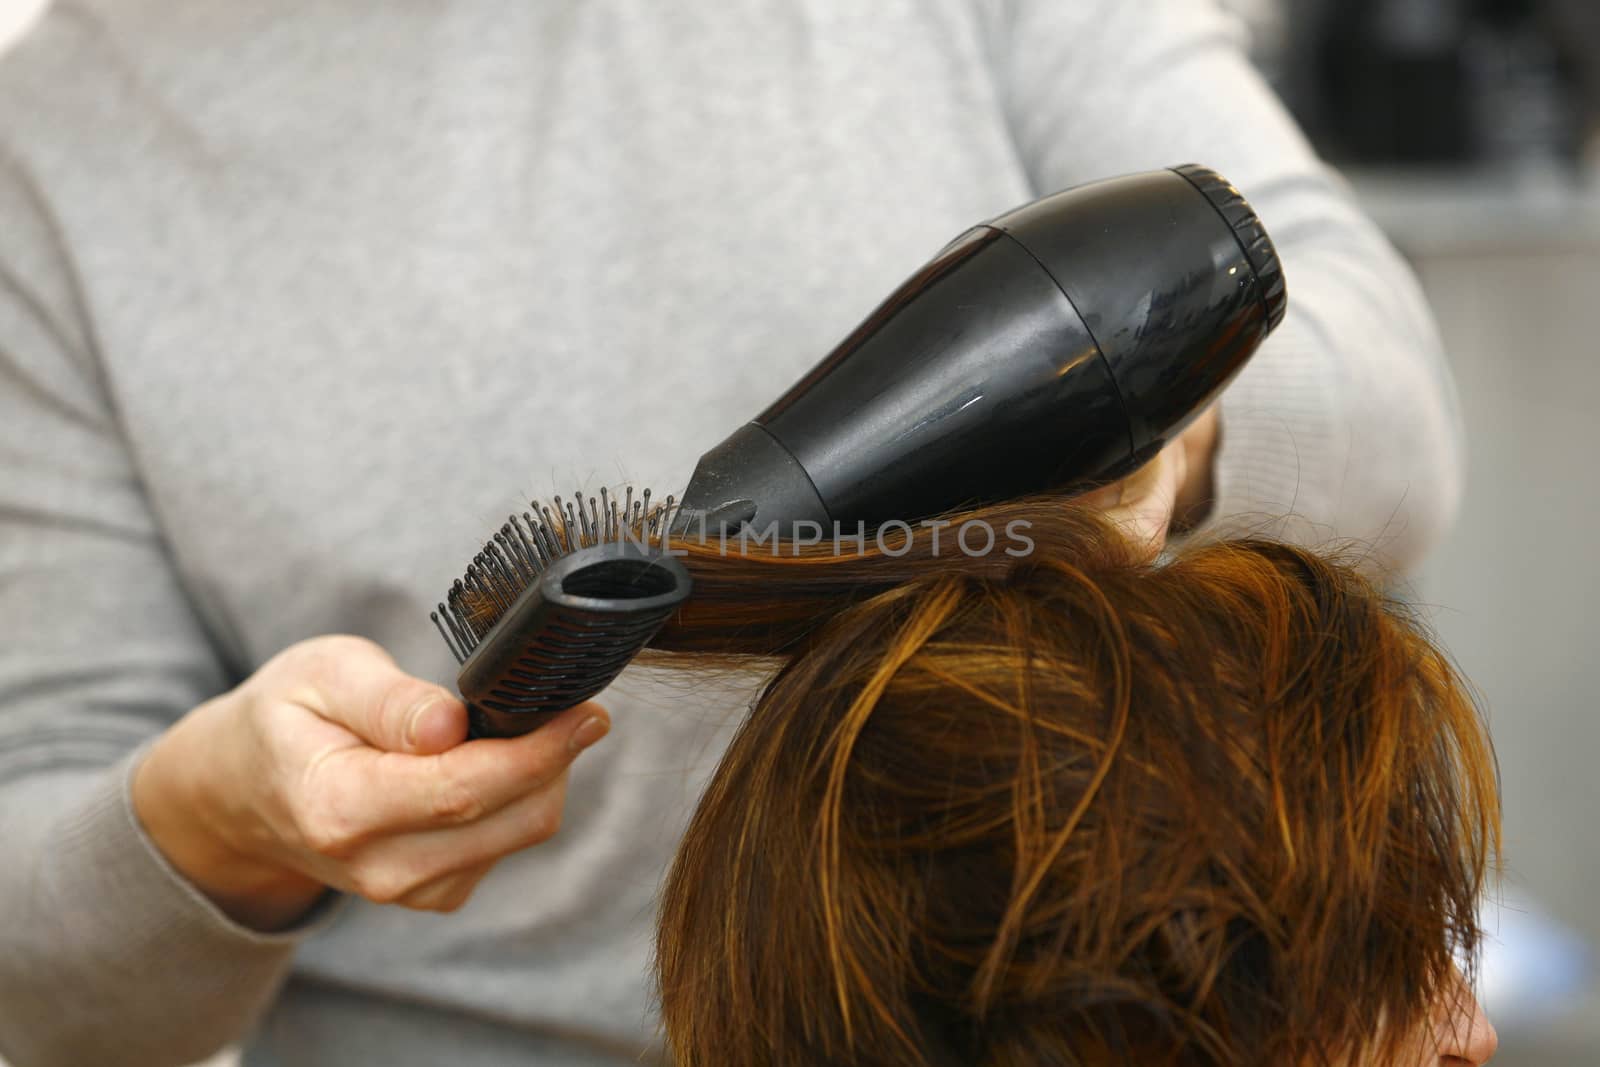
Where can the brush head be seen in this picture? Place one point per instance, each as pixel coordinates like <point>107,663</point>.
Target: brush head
<point>556,604</point>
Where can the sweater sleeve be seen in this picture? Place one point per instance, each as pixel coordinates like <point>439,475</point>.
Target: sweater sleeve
<point>107,955</point>
<point>1345,425</point>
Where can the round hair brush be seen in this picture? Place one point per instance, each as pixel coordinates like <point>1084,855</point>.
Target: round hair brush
<point>555,605</point>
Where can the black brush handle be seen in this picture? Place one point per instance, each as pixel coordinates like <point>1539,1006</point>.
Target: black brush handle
<point>569,635</point>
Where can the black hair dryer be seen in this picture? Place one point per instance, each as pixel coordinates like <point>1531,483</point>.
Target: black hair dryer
<point>1057,346</point>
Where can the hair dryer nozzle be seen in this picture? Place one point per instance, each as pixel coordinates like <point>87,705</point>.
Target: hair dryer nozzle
<point>1059,345</point>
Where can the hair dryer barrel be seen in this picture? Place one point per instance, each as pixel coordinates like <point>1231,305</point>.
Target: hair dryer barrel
<point>1059,345</point>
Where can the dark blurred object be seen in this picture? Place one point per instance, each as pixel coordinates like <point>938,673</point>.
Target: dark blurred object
<point>1395,81</point>
<point>1577,24</point>
<point>1523,97</point>
<point>1446,81</point>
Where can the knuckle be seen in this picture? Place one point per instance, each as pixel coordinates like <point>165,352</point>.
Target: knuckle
<point>545,771</point>
<point>446,903</point>
<point>545,823</point>
<point>329,836</point>
<point>381,885</point>
<point>324,827</point>
<point>320,655</point>
<point>455,802</point>
<point>455,894</point>
<point>312,663</point>
<point>459,898</point>
<point>343,646</point>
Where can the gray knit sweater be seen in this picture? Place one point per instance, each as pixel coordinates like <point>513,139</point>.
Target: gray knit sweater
<point>299,298</point>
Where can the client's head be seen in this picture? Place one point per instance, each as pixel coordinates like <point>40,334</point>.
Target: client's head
<point>1059,806</point>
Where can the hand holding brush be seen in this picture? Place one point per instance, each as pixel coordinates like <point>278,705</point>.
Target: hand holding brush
<point>330,767</point>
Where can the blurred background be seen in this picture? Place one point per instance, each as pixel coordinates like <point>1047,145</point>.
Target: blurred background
<point>1470,129</point>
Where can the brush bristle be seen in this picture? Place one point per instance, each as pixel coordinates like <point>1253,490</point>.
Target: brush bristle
<point>525,547</point>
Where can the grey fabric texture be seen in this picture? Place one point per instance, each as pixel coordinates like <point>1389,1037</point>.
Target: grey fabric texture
<point>298,300</point>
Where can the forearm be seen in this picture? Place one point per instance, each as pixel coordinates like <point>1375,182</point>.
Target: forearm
<point>1344,426</point>
<point>1344,430</point>
<point>106,955</point>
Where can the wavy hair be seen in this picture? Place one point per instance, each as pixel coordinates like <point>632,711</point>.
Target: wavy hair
<point>1067,807</point>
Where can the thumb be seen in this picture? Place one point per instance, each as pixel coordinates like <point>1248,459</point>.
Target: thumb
<point>356,684</point>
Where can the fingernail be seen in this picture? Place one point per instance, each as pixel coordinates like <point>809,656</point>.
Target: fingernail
<point>414,720</point>
<point>588,732</point>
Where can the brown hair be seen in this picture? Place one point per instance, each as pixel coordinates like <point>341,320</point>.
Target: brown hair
<point>1067,807</point>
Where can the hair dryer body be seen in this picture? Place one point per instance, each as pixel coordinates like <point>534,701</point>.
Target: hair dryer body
<point>1059,345</point>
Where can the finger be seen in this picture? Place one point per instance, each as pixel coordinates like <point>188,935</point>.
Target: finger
<point>1197,488</point>
<point>418,860</point>
<point>359,794</point>
<point>1145,513</point>
<point>1106,497</point>
<point>1128,491</point>
<point>356,684</point>
<point>447,893</point>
